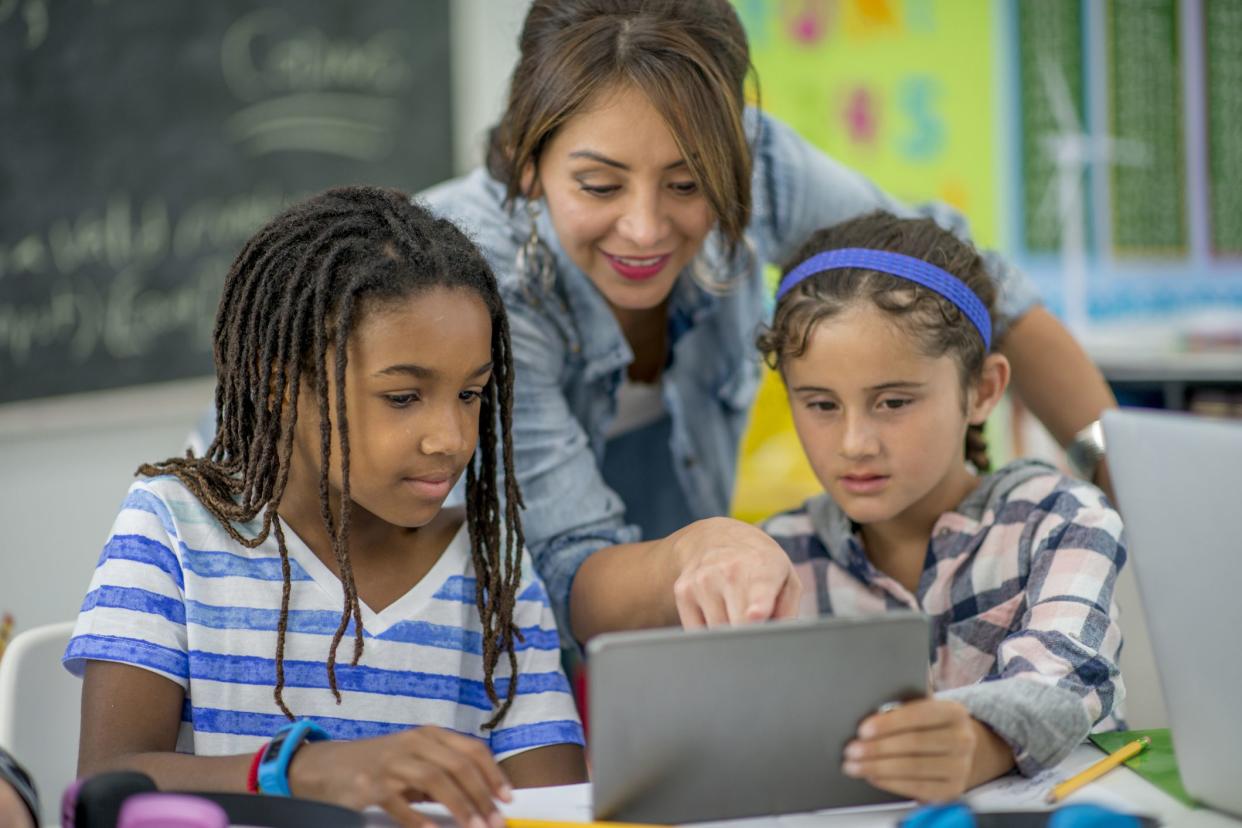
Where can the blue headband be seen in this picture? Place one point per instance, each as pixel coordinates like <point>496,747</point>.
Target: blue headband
<point>903,266</point>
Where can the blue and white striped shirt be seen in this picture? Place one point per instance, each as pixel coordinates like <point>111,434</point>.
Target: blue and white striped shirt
<point>174,594</point>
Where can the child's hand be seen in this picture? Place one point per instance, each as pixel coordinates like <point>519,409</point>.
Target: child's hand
<point>928,750</point>
<point>424,763</point>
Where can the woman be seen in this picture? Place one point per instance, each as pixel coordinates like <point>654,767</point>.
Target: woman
<point>629,204</point>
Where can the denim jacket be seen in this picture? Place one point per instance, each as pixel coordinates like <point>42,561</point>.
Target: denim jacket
<point>571,356</point>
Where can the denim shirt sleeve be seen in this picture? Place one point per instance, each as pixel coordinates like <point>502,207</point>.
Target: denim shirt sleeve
<point>807,191</point>
<point>570,511</point>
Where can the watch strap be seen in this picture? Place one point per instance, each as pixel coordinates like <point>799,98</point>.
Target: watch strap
<point>273,775</point>
<point>252,777</point>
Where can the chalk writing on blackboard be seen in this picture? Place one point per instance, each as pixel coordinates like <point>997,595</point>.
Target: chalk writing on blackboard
<point>145,141</point>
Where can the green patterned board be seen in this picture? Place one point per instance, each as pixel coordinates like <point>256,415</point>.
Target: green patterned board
<point>1145,101</point>
<point>1157,764</point>
<point>1223,71</point>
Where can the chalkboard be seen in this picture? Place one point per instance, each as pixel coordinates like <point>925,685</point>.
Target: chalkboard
<point>143,141</point>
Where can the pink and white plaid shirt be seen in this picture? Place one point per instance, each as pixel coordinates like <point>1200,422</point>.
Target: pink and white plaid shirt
<point>1018,583</point>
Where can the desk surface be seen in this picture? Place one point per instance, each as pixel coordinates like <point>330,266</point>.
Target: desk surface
<point>1122,789</point>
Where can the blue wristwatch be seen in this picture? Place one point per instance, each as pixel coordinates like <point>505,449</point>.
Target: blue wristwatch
<point>274,766</point>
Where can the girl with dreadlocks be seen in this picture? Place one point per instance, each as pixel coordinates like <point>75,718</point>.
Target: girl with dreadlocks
<point>363,364</point>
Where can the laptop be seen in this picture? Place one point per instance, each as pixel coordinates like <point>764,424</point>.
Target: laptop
<point>735,722</point>
<point>1178,480</point>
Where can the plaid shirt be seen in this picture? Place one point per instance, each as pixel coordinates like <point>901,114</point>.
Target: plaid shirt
<point>1018,583</point>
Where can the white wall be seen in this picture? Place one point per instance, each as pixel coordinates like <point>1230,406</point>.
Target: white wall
<point>485,49</point>
<point>65,464</point>
<point>1145,705</point>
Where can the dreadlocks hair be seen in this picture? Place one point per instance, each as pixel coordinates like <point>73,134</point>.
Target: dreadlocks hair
<point>291,294</point>
<point>936,324</point>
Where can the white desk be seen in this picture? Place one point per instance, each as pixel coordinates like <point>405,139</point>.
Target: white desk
<point>1121,789</point>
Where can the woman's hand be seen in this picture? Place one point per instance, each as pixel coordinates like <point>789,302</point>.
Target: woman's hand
<point>732,573</point>
<point>417,765</point>
<point>928,750</point>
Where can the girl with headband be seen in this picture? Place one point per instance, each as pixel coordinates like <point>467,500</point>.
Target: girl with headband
<point>630,203</point>
<point>884,334</point>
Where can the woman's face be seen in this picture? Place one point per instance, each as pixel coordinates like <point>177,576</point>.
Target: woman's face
<point>622,200</point>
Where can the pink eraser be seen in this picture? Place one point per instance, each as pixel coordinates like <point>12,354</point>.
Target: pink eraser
<point>167,810</point>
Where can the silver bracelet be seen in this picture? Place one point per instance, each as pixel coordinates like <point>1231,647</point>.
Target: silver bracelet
<point>1086,450</point>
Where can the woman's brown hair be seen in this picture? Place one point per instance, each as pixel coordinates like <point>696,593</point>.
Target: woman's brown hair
<point>936,324</point>
<point>690,58</point>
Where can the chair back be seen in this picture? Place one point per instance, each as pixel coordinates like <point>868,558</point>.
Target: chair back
<point>40,711</point>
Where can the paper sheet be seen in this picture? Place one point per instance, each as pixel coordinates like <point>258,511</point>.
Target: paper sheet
<point>572,803</point>
<point>1015,793</point>
<point>565,803</point>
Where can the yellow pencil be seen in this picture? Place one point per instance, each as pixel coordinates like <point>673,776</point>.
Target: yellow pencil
<point>547,823</point>
<point>1097,770</point>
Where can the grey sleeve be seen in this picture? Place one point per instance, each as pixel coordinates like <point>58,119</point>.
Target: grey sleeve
<point>1041,723</point>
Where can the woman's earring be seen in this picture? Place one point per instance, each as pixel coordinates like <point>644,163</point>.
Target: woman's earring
<point>739,267</point>
<point>534,259</point>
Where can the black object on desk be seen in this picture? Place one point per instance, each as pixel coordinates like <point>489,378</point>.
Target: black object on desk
<point>95,802</point>
<point>960,815</point>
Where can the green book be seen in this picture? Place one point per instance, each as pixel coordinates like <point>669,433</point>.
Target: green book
<point>1156,764</point>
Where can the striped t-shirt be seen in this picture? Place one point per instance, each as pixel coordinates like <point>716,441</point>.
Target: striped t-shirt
<point>174,594</point>
<point>1018,581</point>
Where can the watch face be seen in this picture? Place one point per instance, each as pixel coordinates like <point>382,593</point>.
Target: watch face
<point>274,746</point>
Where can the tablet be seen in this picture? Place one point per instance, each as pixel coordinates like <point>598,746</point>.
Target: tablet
<point>743,721</point>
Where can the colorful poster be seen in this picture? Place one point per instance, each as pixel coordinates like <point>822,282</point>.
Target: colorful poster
<point>900,90</point>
